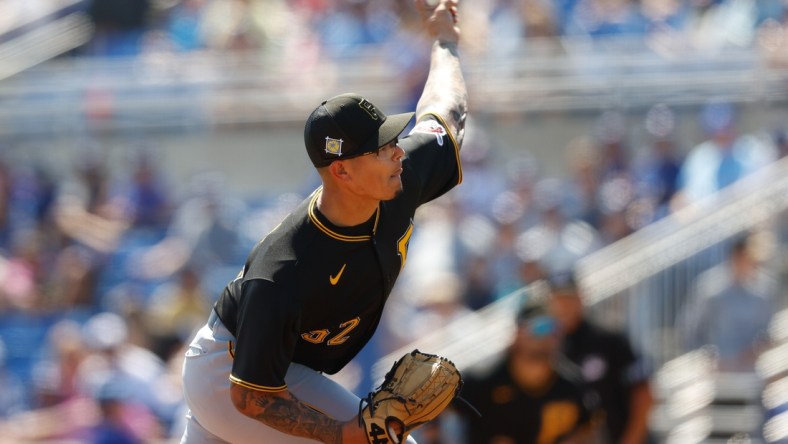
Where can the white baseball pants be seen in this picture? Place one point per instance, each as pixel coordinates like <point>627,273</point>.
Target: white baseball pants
<point>212,417</point>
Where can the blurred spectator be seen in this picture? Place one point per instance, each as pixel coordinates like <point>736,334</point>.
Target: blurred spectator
<point>715,24</point>
<point>113,359</point>
<point>665,15</point>
<point>32,194</point>
<point>175,311</point>
<point>616,197</point>
<point>112,427</point>
<point>56,377</point>
<point>24,318</point>
<point>530,396</point>
<point>203,233</point>
<point>84,210</point>
<point>75,272</point>
<point>438,301</point>
<point>610,134</point>
<point>511,21</point>
<point>657,166</point>
<point>557,241</point>
<point>143,198</point>
<point>480,288</point>
<point>583,165</point>
<point>781,141</point>
<point>6,196</point>
<point>522,174</point>
<point>611,371</point>
<point>725,157</point>
<point>481,179</point>
<point>505,259</point>
<point>230,24</point>
<point>606,190</point>
<point>435,243</point>
<point>13,398</point>
<point>600,18</point>
<point>120,25</point>
<point>531,271</point>
<point>346,26</point>
<point>428,288</point>
<point>184,25</point>
<point>22,273</point>
<point>770,9</point>
<point>89,225</point>
<point>772,37</point>
<point>732,305</point>
<point>539,18</point>
<point>513,211</point>
<point>64,408</point>
<point>64,422</point>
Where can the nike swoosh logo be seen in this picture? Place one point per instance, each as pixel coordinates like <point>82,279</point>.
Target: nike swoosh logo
<point>335,279</point>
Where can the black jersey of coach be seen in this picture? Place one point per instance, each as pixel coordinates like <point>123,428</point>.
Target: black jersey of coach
<point>313,293</point>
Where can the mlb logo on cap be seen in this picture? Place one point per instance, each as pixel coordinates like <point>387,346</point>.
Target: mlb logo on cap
<point>334,146</point>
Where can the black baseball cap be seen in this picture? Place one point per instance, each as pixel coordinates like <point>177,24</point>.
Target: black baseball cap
<point>348,125</point>
<point>535,317</point>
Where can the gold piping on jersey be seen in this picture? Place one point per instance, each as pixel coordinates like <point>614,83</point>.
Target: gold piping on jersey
<point>402,245</point>
<point>260,388</point>
<point>330,232</point>
<point>453,142</point>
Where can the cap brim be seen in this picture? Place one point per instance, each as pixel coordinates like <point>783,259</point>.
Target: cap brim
<point>393,127</point>
<point>390,130</point>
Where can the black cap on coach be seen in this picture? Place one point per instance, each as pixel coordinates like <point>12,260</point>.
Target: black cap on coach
<point>349,125</point>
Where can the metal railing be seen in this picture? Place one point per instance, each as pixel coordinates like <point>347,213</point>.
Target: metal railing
<point>638,283</point>
<point>260,87</point>
<point>58,29</point>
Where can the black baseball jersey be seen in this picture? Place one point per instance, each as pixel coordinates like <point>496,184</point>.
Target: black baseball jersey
<point>609,367</point>
<point>512,415</point>
<point>312,292</point>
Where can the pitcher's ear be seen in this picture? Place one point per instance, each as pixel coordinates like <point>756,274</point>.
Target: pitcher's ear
<point>337,169</point>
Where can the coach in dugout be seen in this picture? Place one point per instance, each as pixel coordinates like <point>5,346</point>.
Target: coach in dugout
<point>312,291</point>
<point>531,395</point>
<point>611,370</point>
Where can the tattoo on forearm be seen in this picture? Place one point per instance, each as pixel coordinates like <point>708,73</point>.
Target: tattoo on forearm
<point>289,415</point>
<point>445,93</point>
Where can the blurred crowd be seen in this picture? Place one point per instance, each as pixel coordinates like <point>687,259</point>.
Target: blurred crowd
<point>105,270</point>
<point>130,27</point>
<point>339,27</point>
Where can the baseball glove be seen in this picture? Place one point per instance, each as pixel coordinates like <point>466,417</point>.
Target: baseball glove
<point>416,390</point>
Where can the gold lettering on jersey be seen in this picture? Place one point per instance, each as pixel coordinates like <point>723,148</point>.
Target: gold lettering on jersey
<point>342,336</point>
<point>558,419</point>
<point>315,336</point>
<point>318,336</point>
<point>335,279</point>
<point>402,245</point>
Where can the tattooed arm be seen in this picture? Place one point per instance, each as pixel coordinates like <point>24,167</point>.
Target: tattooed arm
<point>282,411</point>
<point>444,92</point>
